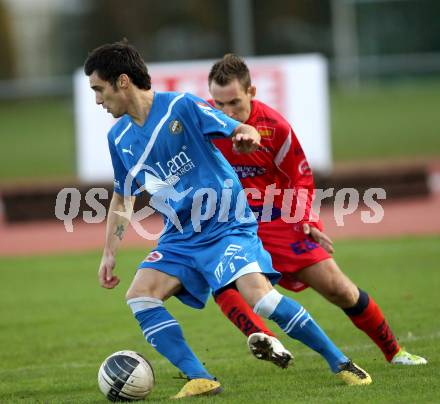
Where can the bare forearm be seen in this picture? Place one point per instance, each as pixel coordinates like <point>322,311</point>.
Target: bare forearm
<point>246,129</point>
<point>117,223</point>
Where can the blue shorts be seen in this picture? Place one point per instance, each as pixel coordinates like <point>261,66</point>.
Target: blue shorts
<point>206,267</point>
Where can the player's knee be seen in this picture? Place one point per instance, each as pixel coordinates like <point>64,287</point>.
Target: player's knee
<point>154,284</point>
<point>131,294</point>
<point>343,294</point>
<point>136,292</point>
<point>338,288</point>
<point>253,287</point>
<point>361,304</point>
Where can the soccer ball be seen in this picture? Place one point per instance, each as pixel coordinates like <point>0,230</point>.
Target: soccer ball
<point>125,376</point>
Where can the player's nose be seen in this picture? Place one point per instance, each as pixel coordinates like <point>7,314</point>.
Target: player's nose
<point>229,112</point>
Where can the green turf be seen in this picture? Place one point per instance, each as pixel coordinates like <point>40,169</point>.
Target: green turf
<point>392,121</point>
<point>389,121</point>
<point>57,326</point>
<point>37,139</point>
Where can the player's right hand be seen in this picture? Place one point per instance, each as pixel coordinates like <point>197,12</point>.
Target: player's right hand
<point>245,142</point>
<point>105,273</point>
<point>320,237</point>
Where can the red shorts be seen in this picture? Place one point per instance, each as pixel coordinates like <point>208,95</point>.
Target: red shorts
<point>291,250</point>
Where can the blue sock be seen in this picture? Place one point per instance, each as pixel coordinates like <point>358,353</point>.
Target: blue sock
<point>164,334</point>
<point>296,322</point>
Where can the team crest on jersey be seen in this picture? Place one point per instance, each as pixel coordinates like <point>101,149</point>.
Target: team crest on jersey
<point>175,127</point>
<point>304,168</point>
<point>265,131</point>
<point>154,256</point>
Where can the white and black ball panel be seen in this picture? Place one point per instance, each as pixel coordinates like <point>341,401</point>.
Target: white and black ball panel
<point>125,376</point>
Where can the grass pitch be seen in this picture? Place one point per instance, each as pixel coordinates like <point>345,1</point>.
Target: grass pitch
<point>57,325</point>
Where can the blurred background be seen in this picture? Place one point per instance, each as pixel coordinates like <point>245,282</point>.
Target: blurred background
<point>383,58</point>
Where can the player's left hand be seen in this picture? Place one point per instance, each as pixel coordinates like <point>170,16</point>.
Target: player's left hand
<point>246,142</point>
<point>105,273</point>
<point>321,238</point>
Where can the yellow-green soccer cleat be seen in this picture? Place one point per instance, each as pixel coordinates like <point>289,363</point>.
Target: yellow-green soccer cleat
<point>199,387</point>
<point>405,358</point>
<point>353,375</point>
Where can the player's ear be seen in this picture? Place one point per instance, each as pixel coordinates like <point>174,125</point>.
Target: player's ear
<point>123,81</point>
<point>252,91</point>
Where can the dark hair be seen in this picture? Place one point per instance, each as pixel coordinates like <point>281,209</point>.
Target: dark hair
<point>111,60</point>
<point>229,68</point>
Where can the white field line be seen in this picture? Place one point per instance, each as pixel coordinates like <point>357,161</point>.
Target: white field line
<point>78,365</point>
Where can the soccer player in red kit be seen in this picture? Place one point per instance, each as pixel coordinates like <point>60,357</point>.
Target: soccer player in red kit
<point>299,248</point>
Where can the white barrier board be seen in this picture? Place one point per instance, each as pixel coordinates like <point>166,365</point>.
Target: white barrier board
<point>296,86</point>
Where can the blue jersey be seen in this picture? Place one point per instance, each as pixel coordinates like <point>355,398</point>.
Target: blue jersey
<point>171,157</point>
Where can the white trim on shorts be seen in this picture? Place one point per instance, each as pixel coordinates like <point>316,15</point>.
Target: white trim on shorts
<point>250,268</point>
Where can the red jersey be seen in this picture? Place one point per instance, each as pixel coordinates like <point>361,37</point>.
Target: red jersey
<point>277,166</point>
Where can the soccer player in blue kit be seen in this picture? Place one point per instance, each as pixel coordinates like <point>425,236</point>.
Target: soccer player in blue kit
<point>161,144</point>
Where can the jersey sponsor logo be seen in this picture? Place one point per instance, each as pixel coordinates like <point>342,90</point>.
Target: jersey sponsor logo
<point>265,131</point>
<point>248,171</point>
<point>154,256</point>
<point>304,168</point>
<point>210,112</point>
<point>176,166</point>
<point>172,180</point>
<point>175,127</point>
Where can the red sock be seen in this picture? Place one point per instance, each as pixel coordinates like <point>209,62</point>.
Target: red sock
<point>240,313</point>
<point>373,323</point>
